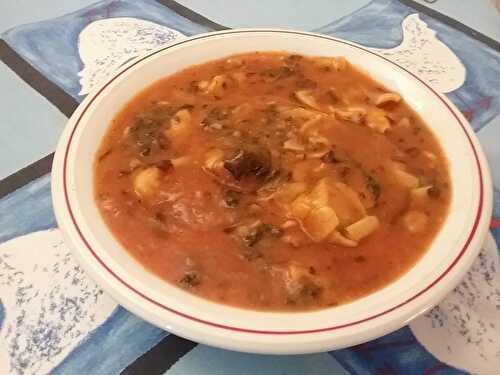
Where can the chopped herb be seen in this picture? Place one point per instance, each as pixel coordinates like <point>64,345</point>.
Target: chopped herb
<point>186,106</point>
<point>160,216</point>
<point>335,155</point>
<point>434,192</point>
<point>413,151</point>
<point>294,58</point>
<point>332,95</point>
<point>329,157</point>
<point>105,154</point>
<point>190,279</point>
<point>251,254</point>
<point>278,73</point>
<point>229,230</point>
<point>252,238</point>
<point>373,186</point>
<point>271,229</point>
<point>249,162</point>
<point>231,198</point>
<point>345,171</point>
<point>215,118</point>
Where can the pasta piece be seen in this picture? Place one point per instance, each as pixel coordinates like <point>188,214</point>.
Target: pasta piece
<point>320,195</point>
<point>404,122</point>
<point>387,97</point>
<point>179,129</point>
<point>214,158</point>
<point>217,85</point>
<point>147,181</point>
<point>181,119</point>
<point>305,97</point>
<point>239,77</point>
<point>289,192</point>
<point>203,85</point>
<point>320,223</point>
<point>311,126</point>
<point>234,62</point>
<point>335,63</point>
<point>420,195</point>
<point>339,239</point>
<point>299,113</point>
<point>415,221</point>
<point>377,120</point>
<point>293,144</point>
<point>180,161</point>
<point>352,114</point>
<point>301,207</point>
<point>406,179</point>
<point>346,203</point>
<point>305,169</point>
<point>362,228</point>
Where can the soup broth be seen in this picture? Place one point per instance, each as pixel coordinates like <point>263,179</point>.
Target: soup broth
<point>272,181</point>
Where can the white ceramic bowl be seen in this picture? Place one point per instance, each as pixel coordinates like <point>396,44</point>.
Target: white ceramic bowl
<point>166,306</point>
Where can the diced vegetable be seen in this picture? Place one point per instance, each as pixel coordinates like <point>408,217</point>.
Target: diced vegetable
<point>377,120</point>
<point>179,128</point>
<point>147,181</point>
<point>320,223</point>
<point>362,228</point>
<point>415,221</point>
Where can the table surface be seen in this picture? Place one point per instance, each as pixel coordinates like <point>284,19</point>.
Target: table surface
<point>47,122</point>
<point>30,125</point>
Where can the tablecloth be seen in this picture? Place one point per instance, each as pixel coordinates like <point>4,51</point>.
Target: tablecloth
<point>54,319</point>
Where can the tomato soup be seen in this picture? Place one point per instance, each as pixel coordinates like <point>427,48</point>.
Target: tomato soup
<point>272,181</point>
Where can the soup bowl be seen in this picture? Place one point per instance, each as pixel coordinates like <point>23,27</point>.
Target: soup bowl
<point>160,303</point>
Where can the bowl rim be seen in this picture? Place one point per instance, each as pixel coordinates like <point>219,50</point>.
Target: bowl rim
<point>478,227</point>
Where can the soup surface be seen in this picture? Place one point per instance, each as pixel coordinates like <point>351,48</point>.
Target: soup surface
<point>272,181</point>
